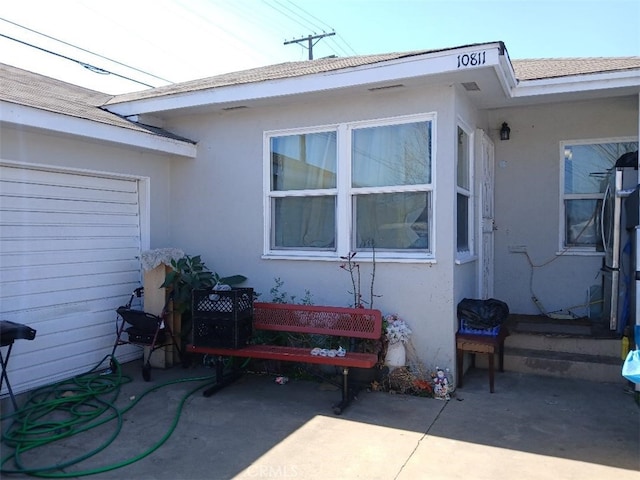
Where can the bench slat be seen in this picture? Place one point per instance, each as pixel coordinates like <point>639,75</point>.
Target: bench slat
<point>322,320</point>
<point>290,354</point>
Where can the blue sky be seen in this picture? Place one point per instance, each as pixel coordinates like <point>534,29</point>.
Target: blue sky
<point>178,40</point>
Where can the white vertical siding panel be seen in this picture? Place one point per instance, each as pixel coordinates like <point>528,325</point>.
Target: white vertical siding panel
<point>69,256</point>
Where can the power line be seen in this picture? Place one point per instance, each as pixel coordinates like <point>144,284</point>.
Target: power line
<point>347,44</point>
<point>309,39</point>
<point>289,16</point>
<point>314,26</point>
<point>270,19</point>
<point>240,38</point>
<point>341,48</point>
<point>85,50</point>
<point>334,46</point>
<point>311,15</point>
<point>329,27</point>
<point>88,66</point>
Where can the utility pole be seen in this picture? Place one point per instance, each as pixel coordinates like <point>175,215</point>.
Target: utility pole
<point>310,41</point>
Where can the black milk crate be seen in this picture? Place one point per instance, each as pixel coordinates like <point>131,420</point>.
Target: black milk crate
<point>222,318</point>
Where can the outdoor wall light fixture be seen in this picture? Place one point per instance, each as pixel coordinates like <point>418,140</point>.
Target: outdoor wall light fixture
<point>505,132</point>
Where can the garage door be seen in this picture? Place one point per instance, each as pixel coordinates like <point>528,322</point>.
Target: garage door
<point>69,256</point>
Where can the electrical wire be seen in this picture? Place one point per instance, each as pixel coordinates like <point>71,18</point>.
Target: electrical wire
<point>340,47</point>
<point>83,403</point>
<point>85,50</point>
<point>330,28</point>
<point>533,266</point>
<point>290,17</point>
<point>341,38</point>
<point>228,31</point>
<point>294,17</point>
<point>88,66</point>
<point>309,14</point>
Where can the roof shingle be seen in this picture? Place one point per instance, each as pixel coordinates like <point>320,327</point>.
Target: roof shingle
<point>38,91</point>
<point>543,68</point>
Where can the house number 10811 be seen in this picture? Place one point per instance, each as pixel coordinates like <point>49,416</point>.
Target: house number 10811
<point>471,59</point>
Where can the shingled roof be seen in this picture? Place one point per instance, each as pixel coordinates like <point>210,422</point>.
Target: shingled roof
<point>535,69</point>
<point>263,74</point>
<point>544,68</point>
<point>38,91</point>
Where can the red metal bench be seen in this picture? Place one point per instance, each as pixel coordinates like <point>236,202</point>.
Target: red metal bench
<point>350,323</point>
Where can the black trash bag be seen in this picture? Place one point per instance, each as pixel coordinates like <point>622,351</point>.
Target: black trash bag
<point>482,314</point>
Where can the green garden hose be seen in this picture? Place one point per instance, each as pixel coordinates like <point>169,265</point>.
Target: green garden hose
<point>84,402</point>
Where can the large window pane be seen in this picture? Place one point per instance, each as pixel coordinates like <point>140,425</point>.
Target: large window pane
<point>392,221</point>
<point>586,165</point>
<point>581,222</point>
<point>391,155</point>
<point>304,223</point>
<point>383,200</point>
<point>462,218</point>
<point>301,162</point>
<point>462,176</point>
<point>463,197</point>
<point>585,169</point>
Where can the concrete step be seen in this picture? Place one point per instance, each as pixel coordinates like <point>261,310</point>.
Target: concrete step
<point>601,368</point>
<point>562,356</point>
<point>556,343</point>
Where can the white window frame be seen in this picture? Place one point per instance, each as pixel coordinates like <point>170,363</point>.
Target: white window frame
<point>563,249</point>
<point>344,193</point>
<point>467,254</point>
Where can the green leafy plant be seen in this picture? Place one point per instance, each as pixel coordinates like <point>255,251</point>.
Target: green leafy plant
<point>189,274</point>
<point>279,296</point>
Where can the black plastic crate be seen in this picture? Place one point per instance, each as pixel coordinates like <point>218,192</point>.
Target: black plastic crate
<point>222,318</point>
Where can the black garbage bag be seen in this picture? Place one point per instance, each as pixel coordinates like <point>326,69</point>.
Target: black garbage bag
<point>482,314</point>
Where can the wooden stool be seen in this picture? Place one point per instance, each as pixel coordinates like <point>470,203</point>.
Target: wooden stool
<point>470,343</point>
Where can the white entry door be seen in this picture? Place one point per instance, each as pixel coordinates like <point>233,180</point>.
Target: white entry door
<point>487,222</point>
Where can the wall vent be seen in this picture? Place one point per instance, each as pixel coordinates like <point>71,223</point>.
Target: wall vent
<point>386,87</point>
<point>239,107</point>
<point>471,86</point>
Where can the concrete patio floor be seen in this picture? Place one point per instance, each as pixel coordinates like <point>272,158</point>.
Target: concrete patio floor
<point>530,428</point>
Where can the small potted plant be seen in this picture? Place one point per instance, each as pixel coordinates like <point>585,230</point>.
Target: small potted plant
<point>397,333</point>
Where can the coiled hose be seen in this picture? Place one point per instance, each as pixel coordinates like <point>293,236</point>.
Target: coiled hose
<point>70,407</point>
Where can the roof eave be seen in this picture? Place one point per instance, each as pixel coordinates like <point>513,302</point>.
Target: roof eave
<point>505,73</point>
<point>431,63</point>
<point>25,116</point>
<point>592,82</point>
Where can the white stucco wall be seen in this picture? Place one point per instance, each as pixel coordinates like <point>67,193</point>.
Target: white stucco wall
<point>466,270</point>
<point>528,199</point>
<point>217,210</point>
<point>30,146</point>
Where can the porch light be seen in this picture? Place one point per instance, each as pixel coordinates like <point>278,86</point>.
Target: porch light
<point>505,132</point>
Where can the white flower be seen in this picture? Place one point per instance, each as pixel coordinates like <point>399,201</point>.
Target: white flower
<point>396,330</point>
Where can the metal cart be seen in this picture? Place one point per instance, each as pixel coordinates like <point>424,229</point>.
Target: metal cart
<point>10,332</point>
<point>145,330</point>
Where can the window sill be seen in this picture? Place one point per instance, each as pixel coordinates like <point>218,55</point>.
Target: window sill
<point>580,253</point>
<point>361,258</point>
<point>466,259</point>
